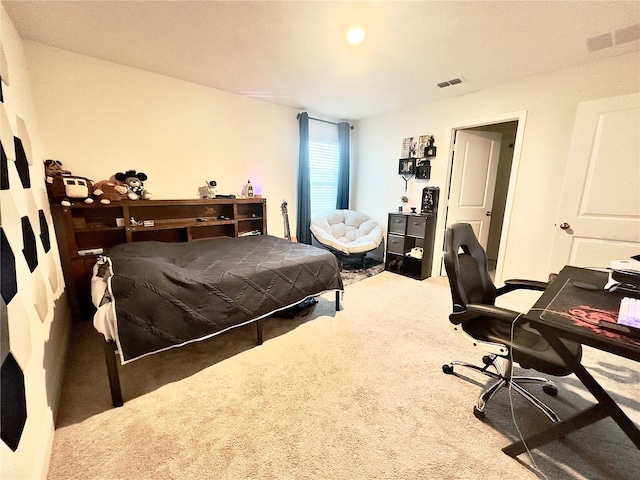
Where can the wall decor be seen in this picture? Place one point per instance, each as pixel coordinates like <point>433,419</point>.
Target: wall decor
<point>407,169</point>
<point>409,148</point>
<point>423,169</point>
<point>426,147</point>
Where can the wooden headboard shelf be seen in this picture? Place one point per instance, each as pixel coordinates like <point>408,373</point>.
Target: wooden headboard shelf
<point>85,231</point>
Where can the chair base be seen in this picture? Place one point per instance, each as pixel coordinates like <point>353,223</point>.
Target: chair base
<point>341,257</point>
<point>504,379</point>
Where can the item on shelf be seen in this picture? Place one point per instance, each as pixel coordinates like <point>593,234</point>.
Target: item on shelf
<point>404,201</point>
<point>90,251</point>
<point>426,147</point>
<point>64,187</point>
<point>250,234</point>
<point>135,186</point>
<point>208,190</point>
<point>110,191</point>
<point>249,189</point>
<point>54,167</point>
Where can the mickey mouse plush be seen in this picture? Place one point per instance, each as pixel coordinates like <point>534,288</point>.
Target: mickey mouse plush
<point>133,180</point>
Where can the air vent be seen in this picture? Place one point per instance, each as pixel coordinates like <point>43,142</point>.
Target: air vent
<point>627,34</point>
<point>622,35</point>
<point>448,83</point>
<point>599,42</point>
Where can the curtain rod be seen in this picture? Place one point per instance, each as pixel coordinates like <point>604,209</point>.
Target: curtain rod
<point>326,121</point>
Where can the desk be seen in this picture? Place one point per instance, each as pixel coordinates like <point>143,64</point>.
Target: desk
<point>565,311</point>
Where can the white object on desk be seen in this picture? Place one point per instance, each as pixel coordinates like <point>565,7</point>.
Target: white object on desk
<point>631,265</point>
<point>629,313</point>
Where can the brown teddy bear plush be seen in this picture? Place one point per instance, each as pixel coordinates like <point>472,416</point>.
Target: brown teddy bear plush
<point>63,186</point>
<point>110,190</point>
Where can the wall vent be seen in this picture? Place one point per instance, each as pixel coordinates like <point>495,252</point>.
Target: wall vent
<point>448,83</point>
<point>627,34</point>
<point>622,35</point>
<point>599,42</point>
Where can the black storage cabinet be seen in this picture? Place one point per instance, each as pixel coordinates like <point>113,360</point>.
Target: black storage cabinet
<point>406,231</point>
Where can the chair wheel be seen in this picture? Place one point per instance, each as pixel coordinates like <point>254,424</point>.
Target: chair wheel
<point>448,369</point>
<point>550,389</point>
<point>487,359</point>
<point>478,413</point>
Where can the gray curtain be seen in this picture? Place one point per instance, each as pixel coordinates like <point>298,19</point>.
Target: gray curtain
<point>342,201</point>
<point>303,220</point>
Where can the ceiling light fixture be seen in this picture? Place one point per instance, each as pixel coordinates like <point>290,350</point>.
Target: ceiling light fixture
<point>355,35</point>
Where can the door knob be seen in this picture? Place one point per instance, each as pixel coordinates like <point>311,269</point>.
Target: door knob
<point>565,226</point>
<point>488,213</point>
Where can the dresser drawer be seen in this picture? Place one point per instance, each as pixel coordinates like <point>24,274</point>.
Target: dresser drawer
<point>397,224</point>
<point>395,244</point>
<point>416,226</point>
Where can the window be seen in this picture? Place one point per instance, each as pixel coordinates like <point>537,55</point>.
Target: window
<point>324,163</point>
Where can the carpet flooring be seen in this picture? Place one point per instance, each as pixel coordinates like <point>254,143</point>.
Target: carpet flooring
<point>353,394</point>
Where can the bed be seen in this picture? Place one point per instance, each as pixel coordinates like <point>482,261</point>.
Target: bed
<point>154,296</point>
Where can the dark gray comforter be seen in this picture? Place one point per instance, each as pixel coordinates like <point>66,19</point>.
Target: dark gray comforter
<point>168,294</point>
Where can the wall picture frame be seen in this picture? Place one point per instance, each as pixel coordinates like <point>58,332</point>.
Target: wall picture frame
<point>407,166</point>
<point>410,148</point>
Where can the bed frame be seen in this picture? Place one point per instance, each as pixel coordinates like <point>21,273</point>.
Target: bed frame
<point>111,358</point>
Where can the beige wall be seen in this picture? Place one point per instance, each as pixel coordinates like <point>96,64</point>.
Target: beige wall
<point>38,316</point>
<point>550,103</point>
<point>103,118</point>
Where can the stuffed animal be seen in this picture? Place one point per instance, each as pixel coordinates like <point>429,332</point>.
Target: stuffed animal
<point>134,182</point>
<point>209,189</point>
<point>53,168</point>
<point>63,186</point>
<point>110,190</point>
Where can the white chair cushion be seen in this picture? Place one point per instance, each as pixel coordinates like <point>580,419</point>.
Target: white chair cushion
<point>347,231</point>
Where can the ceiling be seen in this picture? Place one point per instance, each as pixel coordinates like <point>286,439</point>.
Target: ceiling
<point>294,53</point>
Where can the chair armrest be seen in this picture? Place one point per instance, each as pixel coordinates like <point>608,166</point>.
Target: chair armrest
<point>481,310</point>
<point>475,310</point>
<point>520,284</point>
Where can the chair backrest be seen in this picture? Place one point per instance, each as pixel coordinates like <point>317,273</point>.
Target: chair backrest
<point>466,265</point>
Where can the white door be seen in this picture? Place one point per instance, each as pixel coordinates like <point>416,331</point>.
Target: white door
<point>473,180</point>
<point>599,215</point>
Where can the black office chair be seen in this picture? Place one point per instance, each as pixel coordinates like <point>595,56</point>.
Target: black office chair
<point>500,333</point>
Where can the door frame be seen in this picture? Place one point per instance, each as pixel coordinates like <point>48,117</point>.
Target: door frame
<point>520,117</point>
